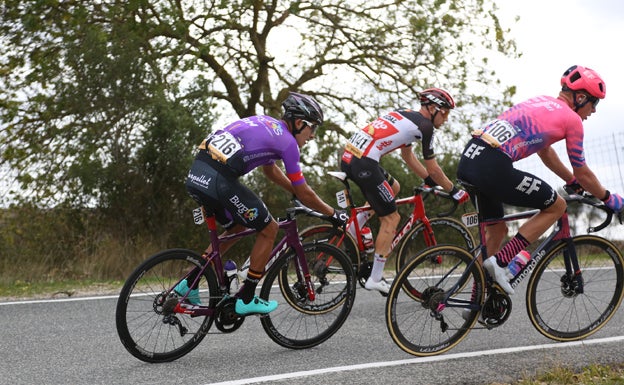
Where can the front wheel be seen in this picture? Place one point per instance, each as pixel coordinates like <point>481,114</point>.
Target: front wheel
<point>146,324</point>
<point>344,241</point>
<point>443,231</point>
<point>299,322</point>
<point>570,307</point>
<point>420,318</point>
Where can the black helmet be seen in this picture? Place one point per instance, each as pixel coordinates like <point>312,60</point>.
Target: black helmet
<point>300,106</point>
<point>437,96</point>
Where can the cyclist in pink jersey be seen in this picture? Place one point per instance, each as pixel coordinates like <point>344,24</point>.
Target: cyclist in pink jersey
<point>396,130</point>
<point>237,149</point>
<point>531,127</point>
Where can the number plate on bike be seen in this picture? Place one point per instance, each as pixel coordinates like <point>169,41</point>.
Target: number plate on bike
<point>198,216</point>
<point>470,219</point>
<point>341,199</point>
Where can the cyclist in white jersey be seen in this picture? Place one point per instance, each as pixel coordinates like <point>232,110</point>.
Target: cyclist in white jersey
<point>394,130</point>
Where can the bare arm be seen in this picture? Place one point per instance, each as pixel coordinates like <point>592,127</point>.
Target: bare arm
<point>413,163</point>
<point>303,192</point>
<point>276,175</point>
<point>551,160</point>
<point>589,181</point>
<point>438,175</point>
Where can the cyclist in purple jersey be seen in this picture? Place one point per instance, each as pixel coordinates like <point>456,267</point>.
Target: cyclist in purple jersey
<point>237,149</point>
<point>531,127</point>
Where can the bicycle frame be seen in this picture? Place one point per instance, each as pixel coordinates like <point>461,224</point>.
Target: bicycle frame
<point>417,215</point>
<point>290,239</point>
<point>561,232</point>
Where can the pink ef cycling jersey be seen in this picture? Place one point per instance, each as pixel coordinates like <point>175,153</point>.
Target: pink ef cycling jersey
<point>390,131</point>
<point>532,125</point>
<point>256,141</point>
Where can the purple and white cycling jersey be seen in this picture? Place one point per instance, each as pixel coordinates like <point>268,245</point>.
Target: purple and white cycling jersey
<point>256,141</point>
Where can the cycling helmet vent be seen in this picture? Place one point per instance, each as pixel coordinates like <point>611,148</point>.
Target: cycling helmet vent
<point>577,78</point>
<point>437,96</point>
<point>300,106</point>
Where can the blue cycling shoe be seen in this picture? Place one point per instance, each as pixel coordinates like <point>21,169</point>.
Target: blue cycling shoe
<point>256,306</point>
<point>181,289</point>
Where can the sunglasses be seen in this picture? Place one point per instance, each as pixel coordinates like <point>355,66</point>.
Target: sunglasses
<point>593,100</point>
<point>313,126</point>
<point>443,112</point>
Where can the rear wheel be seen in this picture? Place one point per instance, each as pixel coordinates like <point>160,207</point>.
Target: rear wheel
<point>146,324</point>
<point>418,318</point>
<point>344,241</point>
<point>299,322</point>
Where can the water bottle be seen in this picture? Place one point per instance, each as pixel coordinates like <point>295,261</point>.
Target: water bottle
<point>362,217</point>
<point>231,275</point>
<point>517,263</point>
<point>367,240</point>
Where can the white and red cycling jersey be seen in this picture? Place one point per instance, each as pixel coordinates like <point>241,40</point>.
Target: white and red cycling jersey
<point>393,130</point>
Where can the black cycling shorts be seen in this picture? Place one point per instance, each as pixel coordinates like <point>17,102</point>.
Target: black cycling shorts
<point>375,183</point>
<point>492,172</point>
<point>217,189</point>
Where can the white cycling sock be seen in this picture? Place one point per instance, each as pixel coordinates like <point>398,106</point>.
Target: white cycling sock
<point>378,267</point>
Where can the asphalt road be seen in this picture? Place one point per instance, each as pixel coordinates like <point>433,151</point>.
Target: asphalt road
<point>74,341</point>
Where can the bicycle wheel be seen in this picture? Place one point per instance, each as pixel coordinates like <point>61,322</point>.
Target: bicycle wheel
<point>333,236</point>
<point>445,231</point>
<point>298,322</point>
<point>417,319</point>
<point>146,324</point>
<point>564,308</point>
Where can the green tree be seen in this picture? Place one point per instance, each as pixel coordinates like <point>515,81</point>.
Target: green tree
<point>102,102</point>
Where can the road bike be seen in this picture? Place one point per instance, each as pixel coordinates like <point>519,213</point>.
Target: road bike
<point>416,233</point>
<point>575,286</point>
<point>313,283</point>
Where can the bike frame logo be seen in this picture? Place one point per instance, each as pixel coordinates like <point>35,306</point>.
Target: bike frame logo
<point>527,269</point>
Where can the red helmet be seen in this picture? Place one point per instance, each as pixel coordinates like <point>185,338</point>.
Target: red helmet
<point>577,78</point>
<point>437,96</point>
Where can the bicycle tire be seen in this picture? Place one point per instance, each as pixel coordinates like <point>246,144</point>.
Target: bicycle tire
<point>445,230</point>
<point>324,232</point>
<point>298,323</point>
<point>563,315</point>
<point>412,315</point>
<point>141,319</point>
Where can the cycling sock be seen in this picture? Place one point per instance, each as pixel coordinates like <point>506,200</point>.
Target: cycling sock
<point>378,266</point>
<point>247,292</point>
<point>513,247</point>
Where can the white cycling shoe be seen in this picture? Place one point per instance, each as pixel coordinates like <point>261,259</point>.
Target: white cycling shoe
<point>381,286</point>
<point>499,274</point>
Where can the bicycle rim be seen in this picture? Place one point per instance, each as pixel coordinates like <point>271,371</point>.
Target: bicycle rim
<point>448,231</point>
<point>146,328</point>
<point>567,315</point>
<point>327,233</point>
<point>413,316</point>
<point>299,323</point>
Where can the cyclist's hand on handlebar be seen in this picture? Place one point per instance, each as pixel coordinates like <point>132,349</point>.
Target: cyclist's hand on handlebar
<point>574,187</point>
<point>339,218</point>
<point>614,202</point>
<point>460,196</point>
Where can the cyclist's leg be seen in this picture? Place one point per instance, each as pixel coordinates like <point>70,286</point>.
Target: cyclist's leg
<point>379,193</point>
<point>248,210</point>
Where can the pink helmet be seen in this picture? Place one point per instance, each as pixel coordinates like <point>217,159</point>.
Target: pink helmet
<point>577,78</point>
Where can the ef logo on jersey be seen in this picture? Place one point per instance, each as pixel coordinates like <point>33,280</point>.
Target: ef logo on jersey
<point>529,185</point>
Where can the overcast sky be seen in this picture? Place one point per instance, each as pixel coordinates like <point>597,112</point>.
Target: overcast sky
<point>555,34</point>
